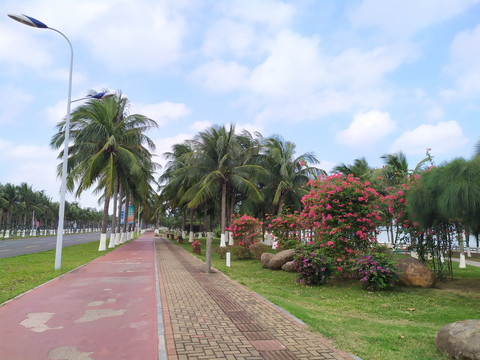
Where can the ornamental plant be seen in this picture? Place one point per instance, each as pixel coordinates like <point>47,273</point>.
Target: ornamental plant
<point>196,245</point>
<point>341,214</point>
<point>312,266</point>
<point>246,230</point>
<point>286,229</point>
<point>376,272</point>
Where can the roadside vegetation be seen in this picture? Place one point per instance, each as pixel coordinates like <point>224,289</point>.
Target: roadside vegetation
<point>24,272</point>
<point>397,324</point>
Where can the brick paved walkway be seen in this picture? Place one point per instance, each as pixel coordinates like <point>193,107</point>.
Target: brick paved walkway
<point>208,316</point>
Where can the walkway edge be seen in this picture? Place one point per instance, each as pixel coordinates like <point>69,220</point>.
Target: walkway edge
<point>162,351</point>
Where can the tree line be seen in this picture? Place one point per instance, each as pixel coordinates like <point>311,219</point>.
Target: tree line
<point>21,207</point>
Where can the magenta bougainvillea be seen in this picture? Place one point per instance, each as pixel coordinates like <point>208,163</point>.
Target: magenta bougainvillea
<point>342,214</point>
<point>246,230</point>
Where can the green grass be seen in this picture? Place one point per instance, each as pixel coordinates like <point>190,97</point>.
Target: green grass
<point>24,272</point>
<point>396,324</point>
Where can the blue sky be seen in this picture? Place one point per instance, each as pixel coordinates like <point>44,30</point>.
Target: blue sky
<point>342,79</point>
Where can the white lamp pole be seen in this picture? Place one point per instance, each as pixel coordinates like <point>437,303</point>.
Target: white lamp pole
<point>27,20</point>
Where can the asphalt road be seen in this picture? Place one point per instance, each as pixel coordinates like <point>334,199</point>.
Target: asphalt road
<point>15,247</point>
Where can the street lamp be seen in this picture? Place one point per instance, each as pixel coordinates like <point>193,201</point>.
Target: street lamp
<point>27,20</point>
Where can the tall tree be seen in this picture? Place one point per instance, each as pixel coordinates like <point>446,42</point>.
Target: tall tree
<point>108,143</point>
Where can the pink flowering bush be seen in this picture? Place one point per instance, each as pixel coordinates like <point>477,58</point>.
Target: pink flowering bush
<point>246,230</point>
<point>286,229</point>
<point>342,214</point>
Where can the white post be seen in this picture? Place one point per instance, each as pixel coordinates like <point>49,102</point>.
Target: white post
<point>230,238</point>
<point>228,259</point>
<point>468,252</point>
<point>190,237</point>
<point>462,261</point>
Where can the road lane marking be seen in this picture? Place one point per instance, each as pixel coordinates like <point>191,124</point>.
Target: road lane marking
<point>5,250</point>
<point>27,247</point>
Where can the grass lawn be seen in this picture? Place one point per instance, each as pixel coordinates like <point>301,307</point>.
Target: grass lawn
<point>24,272</point>
<point>396,324</point>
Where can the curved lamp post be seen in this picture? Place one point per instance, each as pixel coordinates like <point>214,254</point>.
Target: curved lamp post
<point>27,20</point>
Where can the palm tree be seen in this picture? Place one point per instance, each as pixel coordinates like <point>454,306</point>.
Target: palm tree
<point>287,173</point>
<point>217,161</point>
<point>358,169</point>
<point>460,198</point>
<point>108,144</point>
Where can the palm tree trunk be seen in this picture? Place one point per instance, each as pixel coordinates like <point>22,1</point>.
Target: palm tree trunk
<point>119,216</point>
<point>280,204</point>
<point>103,234</point>
<point>222,214</point>
<point>125,217</point>
<point>460,237</point>
<point>113,233</point>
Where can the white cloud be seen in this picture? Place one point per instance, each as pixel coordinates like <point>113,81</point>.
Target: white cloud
<point>464,63</point>
<point>221,76</point>
<point>227,37</point>
<point>14,101</point>
<point>163,112</point>
<point>200,125</point>
<point>434,112</point>
<point>441,138</point>
<point>402,19</point>
<point>142,38</point>
<point>366,129</point>
<point>284,73</point>
<point>274,14</point>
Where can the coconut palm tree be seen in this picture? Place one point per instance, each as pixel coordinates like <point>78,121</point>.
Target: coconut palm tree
<point>359,169</point>
<point>217,159</point>
<point>108,144</point>
<point>287,173</point>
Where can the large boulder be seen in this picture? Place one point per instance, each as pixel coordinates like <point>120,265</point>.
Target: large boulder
<point>288,266</point>
<point>281,258</point>
<point>413,272</point>
<point>265,259</point>
<point>460,339</point>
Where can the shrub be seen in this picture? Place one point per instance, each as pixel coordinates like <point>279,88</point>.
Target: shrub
<point>342,213</point>
<point>258,249</point>
<point>312,266</point>
<point>245,230</point>
<point>375,271</point>
<point>240,252</point>
<point>286,229</point>
<point>222,251</point>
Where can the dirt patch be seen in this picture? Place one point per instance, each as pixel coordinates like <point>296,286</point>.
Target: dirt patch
<point>464,286</point>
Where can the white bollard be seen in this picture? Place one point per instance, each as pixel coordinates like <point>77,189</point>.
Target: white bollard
<point>468,252</point>
<point>462,261</point>
<point>228,259</point>
<point>190,237</point>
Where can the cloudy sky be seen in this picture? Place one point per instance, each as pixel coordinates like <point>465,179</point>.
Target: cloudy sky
<point>343,79</point>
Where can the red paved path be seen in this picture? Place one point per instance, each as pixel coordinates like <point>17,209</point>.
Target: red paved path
<point>105,310</point>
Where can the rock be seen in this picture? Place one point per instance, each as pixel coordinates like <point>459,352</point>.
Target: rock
<point>288,266</point>
<point>413,272</point>
<point>460,339</point>
<point>265,259</point>
<point>281,258</point>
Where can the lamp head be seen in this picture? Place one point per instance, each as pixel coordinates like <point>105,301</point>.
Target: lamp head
<point>28,20</point>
